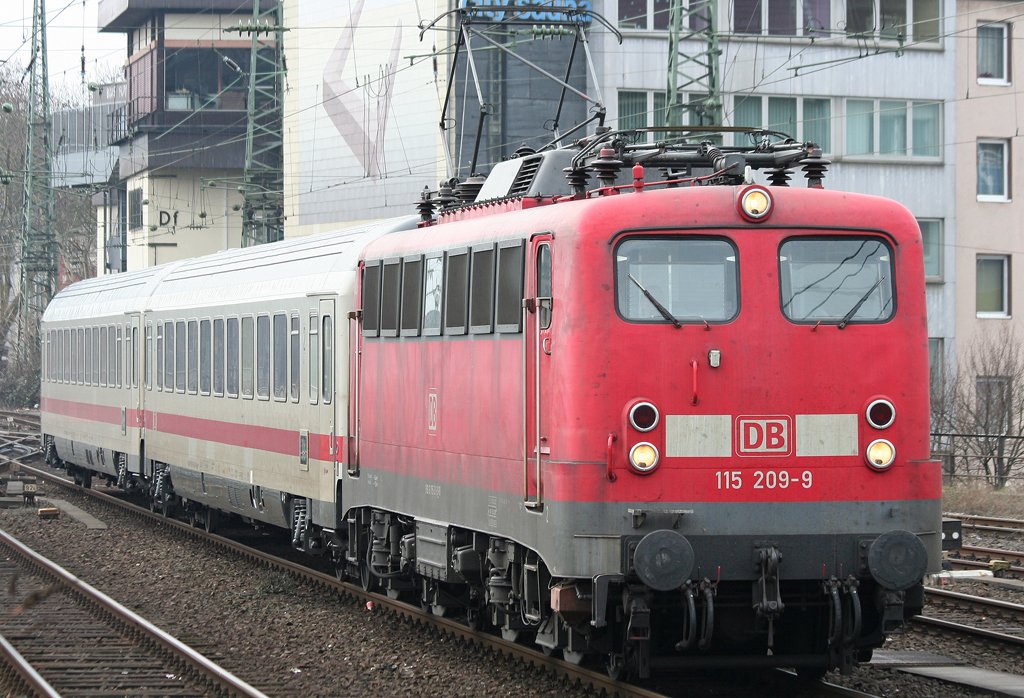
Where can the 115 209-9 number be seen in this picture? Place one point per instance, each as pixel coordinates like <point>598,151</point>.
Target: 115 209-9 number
<point>763,479</point>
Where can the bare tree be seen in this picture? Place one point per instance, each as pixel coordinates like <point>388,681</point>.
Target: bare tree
<point>986,419</point>
<point>74,225</point>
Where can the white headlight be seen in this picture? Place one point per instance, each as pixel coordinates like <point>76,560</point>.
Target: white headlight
<point>880,454</point>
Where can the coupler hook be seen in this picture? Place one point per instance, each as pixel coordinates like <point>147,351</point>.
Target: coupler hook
<point>769,604</point>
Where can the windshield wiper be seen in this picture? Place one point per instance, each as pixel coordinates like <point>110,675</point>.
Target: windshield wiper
<point>853,311</point>
<point>654,301</point>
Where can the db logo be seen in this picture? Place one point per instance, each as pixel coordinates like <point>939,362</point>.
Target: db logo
<point>763,436</point>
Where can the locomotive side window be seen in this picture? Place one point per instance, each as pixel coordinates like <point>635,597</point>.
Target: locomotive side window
<point>280,356</point>
<point>193,357</point>
<point>433,288</point>
<point>295,355</point>
<point>232,348</point>
<point>390,297</point>
<point>412,295</point>
<point>218,357</point>
<point>314,358</point>
<point>456,292</point>
<point>204,357</point>
<point>248,366</point>
<point>509,312</point>
<point>179,356</point>
<point>371,299</point>
<point>327,337</point>
<point>836,280</point>
<point>481,290</point>
<point>544,286</point>
<point>673,279</point>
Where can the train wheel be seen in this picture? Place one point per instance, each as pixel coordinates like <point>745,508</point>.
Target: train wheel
<point>366,579</point>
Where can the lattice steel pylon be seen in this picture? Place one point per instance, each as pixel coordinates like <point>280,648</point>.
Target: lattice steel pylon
<point>38,241</point>
<point>263,187</point>
<point>698,71</point>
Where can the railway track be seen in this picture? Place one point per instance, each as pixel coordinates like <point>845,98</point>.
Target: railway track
<point>63,637</point>
<point>990,524</point>
<point>596,680</point>
<point>1004,620</point>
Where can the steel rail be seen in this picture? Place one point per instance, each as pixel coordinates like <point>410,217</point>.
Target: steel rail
<point>217,675</point>
<point>978,602</point>
<point>25,671</point>
<point>1008,641</point>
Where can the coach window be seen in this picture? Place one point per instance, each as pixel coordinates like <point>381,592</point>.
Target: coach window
<point>836,280</point>
<point>180,357</point>
<point>111,354</point>
<point>294,354</point>
<point>390,297</point>
<point>118,358</point>
<point>456,292</point>
<point>136,350</point>
<point>263,357</point>
<point>148,358</point>
<point>88,356</point>
<point>481,290</point>
<point>97,354</point>
<point>314,358</point>
<point>101,355</point>
<point>204,357</point>
<point>280,356</point>
<point>671,279</point>
<point>169,356</point>
<point>232,357</point>
<point>247,357</point>
<point>327,336</point>
<point>67,355</point>
<point>371,299</point>
<point>158,364</point>
<point>192,358</point>
<point>509,312</point>
<point>218,357</point>
<point>433,288</point>
<point>81,355</point>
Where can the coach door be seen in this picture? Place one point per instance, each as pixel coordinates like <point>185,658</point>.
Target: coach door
<point>537,308</point>
<point>322,344</point>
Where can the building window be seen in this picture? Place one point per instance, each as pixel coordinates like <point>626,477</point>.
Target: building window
<point>897,20</point>
<point>135,208</point>
<point>893,128</point>
<point>993,282</point>
<point>931,236</point>
<point>803,119</point>
<point>641,109</point>
<point>206,78</point>
<point>781,17</point>
<point>993,175</point>
<point>655,14</point>
<point>993,54</point>
<point>994,402</point>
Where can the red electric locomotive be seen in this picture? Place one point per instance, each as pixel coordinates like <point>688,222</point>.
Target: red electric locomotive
<point>652,420</point>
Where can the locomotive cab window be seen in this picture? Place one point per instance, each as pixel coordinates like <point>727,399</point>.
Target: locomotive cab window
<point>673,279</point>
<point>836,280</point>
